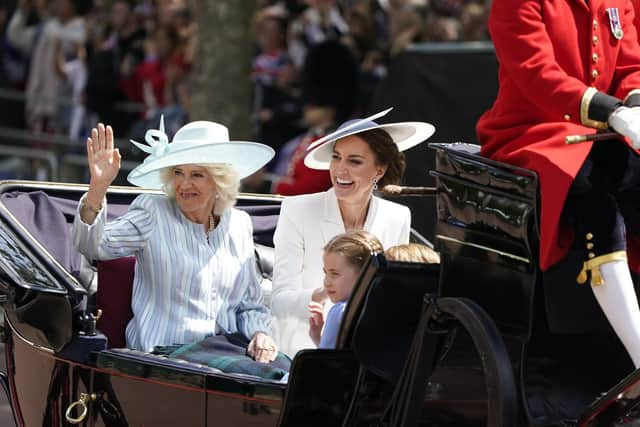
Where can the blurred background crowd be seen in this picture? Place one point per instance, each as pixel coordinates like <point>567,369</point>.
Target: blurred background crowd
<point>67,64</point>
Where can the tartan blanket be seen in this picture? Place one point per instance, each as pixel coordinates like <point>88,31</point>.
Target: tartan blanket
<point>227,353</point>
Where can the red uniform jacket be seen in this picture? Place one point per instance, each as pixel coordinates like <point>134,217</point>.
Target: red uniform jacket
<point>301,179</point>
<point>636,7</point>
<point>562,71</point>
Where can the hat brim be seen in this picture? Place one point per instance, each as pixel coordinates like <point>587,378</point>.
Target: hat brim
<point>246,158</point>
<point>404,134</point>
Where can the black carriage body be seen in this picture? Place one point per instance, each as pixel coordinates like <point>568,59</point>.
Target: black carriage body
<point>51,364</point>
<point>487,216</point>
<point>565,357</point>
<point>445,362</point>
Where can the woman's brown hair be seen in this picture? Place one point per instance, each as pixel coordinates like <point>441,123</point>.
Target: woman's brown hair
<point>387,154</point>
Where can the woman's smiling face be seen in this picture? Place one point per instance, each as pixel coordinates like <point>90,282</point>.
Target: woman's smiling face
<point>353,168</point>
<point>195,190</point>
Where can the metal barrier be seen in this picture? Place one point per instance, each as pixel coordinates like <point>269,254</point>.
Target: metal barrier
<point>48,159</point>
<point>79,162</point>
<point>19,154</point>
<point>124,106</point>
<point>55,159</point>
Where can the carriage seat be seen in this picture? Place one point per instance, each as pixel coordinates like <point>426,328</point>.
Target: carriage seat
<point>375,336</point>
<point>113,297</point>
<point>381,334</point>
<point>115,286</point>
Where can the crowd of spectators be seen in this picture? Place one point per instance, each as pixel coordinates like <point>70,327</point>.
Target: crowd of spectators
<point>126,62</point>
<point>286,81</point>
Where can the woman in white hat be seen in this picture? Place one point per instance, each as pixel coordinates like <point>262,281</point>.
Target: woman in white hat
<point>195,267</point>
<point>360,156</point>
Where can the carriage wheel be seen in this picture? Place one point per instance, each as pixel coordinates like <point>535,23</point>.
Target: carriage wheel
<point>501,388</point>
<point>500,383</point>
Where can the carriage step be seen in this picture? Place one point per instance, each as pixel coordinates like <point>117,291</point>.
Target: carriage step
<point>615,408</point>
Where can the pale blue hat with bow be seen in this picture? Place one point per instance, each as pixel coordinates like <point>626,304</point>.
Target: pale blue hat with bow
<point>404,134</point>
<point>200,143</point>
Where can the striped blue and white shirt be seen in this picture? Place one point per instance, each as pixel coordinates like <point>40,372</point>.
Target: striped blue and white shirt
<point>184,288</point>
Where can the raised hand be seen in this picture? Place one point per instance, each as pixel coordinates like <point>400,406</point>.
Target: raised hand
<point>104,160</point>
<point>316,321</point>
<point>104,164</point>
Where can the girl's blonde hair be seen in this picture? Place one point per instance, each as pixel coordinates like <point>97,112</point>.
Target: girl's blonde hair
<point>412,252</point>
<point>225,178</point>
<point>355,245</point>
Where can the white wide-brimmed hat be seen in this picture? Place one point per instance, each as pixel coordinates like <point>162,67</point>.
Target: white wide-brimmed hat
<point>199,143</point>
<point>404,134</point>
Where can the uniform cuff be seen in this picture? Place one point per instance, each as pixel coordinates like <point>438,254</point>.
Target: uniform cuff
<point>633,98</point>
<point>595,108</point>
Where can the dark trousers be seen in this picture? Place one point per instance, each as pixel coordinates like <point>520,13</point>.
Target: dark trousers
<point>604,199</point>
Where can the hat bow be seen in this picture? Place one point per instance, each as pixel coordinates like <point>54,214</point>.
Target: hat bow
<point>157,142</point>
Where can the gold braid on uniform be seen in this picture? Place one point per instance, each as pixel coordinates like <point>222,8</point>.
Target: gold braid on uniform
<point>593,266</point>
<point>595,108</point>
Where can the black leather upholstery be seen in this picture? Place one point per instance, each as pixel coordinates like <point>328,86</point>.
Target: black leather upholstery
<point>389,316</point>
<point>487,234</point>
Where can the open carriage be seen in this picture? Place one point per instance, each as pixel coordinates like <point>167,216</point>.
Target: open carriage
<point>471,342</point>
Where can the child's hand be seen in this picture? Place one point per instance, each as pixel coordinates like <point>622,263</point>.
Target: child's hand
<point>319,295</point>
<point>316,321</point>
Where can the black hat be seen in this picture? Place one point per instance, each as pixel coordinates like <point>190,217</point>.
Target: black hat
<point>330,78</point>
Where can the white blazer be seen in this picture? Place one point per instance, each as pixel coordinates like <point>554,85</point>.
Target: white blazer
<point>305,225</point>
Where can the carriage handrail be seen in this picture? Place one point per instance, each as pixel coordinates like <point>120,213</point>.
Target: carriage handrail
<point>81,160</point>
<point>392,190</point>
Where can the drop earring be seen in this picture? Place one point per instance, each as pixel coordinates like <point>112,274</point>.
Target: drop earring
<point>375,184</point>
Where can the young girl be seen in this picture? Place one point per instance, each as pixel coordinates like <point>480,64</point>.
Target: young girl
<point>344,257</point>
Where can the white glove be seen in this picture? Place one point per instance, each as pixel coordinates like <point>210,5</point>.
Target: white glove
<point>626,121</point>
